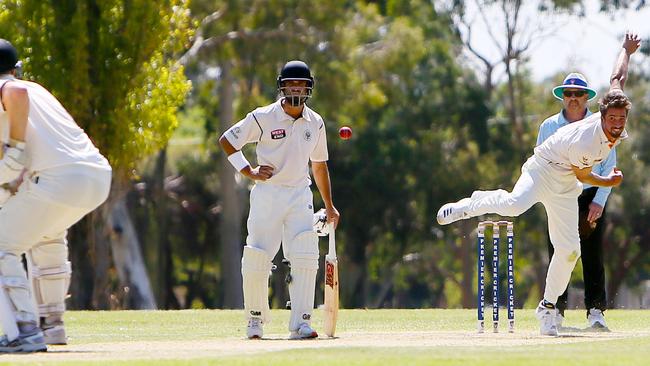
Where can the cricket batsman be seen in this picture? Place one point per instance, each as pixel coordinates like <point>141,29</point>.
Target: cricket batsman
<point>288,136</point>
<point>64,178</point>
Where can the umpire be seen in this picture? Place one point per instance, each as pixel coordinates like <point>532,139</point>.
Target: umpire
<point>575,94</point>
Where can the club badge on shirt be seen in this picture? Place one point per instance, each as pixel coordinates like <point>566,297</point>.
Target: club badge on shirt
<point>278,134</point>
<point>307,135</point>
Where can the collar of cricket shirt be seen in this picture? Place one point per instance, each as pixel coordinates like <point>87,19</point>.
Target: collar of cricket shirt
<point>281,114</point>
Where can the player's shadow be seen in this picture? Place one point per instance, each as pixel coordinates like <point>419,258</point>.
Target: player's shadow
<point>65,351</point>
<point>317,339</point>
<point>572,332</point>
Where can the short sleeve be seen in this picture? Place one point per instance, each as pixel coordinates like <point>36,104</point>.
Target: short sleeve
<point>320,150</point>
<point>245,131</point>
<point>581,158</point>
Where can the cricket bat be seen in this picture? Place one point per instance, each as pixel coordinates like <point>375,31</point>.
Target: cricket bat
<point>331,306</point>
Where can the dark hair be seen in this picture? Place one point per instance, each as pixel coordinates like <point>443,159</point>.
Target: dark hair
<point>614,99</point>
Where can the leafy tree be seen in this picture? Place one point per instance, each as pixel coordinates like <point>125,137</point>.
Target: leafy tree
<point>111,64</point>
<point>248,42</point>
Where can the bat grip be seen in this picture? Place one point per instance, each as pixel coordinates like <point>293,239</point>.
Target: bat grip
<point>332,242</point>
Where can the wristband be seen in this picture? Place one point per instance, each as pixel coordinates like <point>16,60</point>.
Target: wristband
<point>238,160</point>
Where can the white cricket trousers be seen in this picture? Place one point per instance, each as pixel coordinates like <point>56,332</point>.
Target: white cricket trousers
<point>280,214</point>
<point>540,181</point>
<point>50,202</point>
<point>46,205</point>
<point>277,215</point>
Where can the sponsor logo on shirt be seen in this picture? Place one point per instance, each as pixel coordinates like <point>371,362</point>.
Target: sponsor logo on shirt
<point>235,132</point>
<point>278,134</point>
<point>307,135</point>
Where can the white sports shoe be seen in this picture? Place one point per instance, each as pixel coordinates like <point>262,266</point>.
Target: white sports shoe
<point>546,316</point>
<point>53,329</point>
<point>596,319</point>
<point>559,319</point>
<point>23,344</point>
<point>454,211</point>
<point>55,335</point>
<point>305,331</point>
<point>254,329</point>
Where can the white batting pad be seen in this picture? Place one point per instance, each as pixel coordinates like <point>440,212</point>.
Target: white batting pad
<point>255,270</point>
<point>49,272</point>
<point>7,317</point>
<point>304,266</point>
<point>15,300</point>
<point>5,194</point>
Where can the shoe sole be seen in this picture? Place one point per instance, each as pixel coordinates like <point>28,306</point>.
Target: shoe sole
<point>24,349</point>
<point>443,219</point>
<point>598,328</point>
<point>299,337</point>
<point>33,348</point>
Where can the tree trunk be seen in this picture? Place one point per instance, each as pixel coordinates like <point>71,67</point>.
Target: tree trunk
<point>163,271</point>
<point>127,257</point>
<point>83,257</point>
<point>102,290</point>
<point>230,230</point>
<point>515,121</point>
<point>468,260</point>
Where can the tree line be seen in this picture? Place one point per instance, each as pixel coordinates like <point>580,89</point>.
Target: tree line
<point>155,83</point>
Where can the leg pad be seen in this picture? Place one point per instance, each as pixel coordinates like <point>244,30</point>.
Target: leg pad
<point>304,267</point>
<point>255,270</point>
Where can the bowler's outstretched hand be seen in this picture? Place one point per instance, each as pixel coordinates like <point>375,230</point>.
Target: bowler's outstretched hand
<point>631,43</point>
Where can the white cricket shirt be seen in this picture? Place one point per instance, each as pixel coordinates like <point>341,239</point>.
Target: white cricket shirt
<point>52,139</point>
<point>285,143</point>
<point>581,143</point>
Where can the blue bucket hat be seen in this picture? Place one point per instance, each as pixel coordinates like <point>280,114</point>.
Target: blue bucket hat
<point>574,81</point>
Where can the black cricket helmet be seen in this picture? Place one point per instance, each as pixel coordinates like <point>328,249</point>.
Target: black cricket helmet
<point>295,70</point>
<point>8,56</point>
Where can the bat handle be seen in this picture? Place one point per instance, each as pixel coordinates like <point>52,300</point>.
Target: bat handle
<point>332,242</point>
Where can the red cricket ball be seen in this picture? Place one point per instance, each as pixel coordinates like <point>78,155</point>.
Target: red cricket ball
<point>345,132</point>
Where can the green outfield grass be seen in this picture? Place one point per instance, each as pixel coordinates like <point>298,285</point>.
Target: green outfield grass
<point>365,337</point>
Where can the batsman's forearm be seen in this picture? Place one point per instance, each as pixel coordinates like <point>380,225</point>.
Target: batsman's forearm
<point>322,178</point>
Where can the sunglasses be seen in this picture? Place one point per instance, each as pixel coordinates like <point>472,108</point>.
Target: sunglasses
<point>573,93</point>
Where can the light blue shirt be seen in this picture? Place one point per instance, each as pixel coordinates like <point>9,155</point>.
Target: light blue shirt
<point>552,124</point>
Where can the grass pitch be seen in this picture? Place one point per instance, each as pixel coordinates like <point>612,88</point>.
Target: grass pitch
<point>364,337</point>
